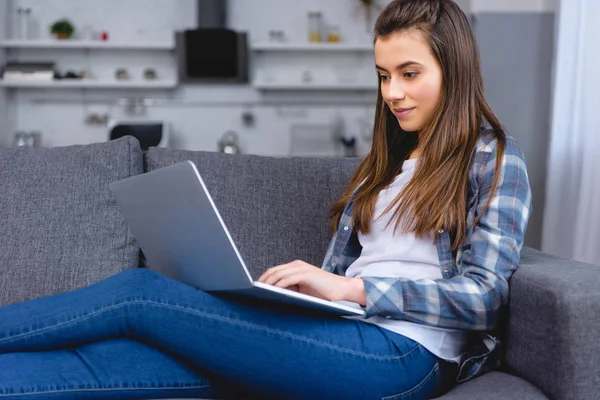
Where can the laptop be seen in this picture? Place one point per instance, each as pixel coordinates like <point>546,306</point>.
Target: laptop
<point>178,227</point>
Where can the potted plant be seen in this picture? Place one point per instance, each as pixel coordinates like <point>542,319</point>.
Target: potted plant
<point>62,29</point>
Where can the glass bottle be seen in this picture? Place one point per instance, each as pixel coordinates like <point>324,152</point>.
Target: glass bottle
<point>24,23</point>
<point>27,24</point>
<point>16,26</point>
<point>315,21</point>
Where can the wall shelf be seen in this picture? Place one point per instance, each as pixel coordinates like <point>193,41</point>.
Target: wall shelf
<point>84,44</point>
<point>307,47</point>
<point>92,84</point>
<point>314,86</point>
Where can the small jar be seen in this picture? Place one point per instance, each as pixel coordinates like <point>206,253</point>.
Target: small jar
<point>333,33</point>
<point>315,23</point>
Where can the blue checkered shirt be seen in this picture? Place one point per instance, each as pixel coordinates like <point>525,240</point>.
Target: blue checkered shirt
<point>474,285</point>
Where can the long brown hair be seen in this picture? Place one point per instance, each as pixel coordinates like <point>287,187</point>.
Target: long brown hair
<point>436,197</point>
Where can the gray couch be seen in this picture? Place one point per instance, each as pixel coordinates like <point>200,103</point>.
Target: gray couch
<point>60,230</point>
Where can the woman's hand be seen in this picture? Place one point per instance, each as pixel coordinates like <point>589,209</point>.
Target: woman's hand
<point>308,279</point>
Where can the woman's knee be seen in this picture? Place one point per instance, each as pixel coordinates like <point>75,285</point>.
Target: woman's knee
<point>133,280</point>
<point>136,273</point>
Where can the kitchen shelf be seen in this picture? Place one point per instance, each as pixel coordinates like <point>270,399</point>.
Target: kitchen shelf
<point>84,84</point>
<point>307,47</point>
<point>314,86</point>
<point>85,44</point>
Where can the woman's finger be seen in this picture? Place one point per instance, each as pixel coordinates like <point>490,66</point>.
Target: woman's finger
<point>276,276</point>
<point>291,280</point>
<point>267,275</point>
<point>275,269</point>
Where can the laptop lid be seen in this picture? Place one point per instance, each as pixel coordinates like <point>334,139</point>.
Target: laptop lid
<point>177,225</point>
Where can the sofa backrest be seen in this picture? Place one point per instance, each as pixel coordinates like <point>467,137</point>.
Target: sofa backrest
<point>60,228</point>
<point>276,209</point>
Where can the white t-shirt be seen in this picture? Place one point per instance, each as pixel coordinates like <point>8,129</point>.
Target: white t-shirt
<point>402,255</point>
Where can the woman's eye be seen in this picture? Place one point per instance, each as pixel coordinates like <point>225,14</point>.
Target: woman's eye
<point>383,77</point>
<point>411,75</point>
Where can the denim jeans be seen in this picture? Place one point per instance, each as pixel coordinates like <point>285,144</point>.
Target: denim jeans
<point>139,334</point>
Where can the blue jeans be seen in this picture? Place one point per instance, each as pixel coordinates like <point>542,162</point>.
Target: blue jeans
<point>139,334</point>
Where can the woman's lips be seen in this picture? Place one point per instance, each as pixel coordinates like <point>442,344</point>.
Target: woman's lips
<point>403,113</point>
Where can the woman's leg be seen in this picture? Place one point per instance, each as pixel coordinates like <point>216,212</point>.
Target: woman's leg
<point>113,369</point>
<point>273,351</point>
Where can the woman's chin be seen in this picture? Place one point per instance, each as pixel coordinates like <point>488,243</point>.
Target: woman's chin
<point>409,126</point>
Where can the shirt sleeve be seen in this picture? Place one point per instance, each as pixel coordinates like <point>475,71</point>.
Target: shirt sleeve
<point>328,254</point>
<point>472,299</point>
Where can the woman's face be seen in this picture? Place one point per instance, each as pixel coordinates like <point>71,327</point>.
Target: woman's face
<point>410,77</point>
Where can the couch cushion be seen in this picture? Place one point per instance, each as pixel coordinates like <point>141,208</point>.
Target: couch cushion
<point>60,227</point>
<point>495,386</point>
<point>275,208</point>
<point>491,386</point>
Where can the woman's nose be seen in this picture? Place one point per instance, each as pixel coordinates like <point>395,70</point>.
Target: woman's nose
<point>396,90</point>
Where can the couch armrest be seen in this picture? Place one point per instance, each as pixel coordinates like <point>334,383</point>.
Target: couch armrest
<point>553,332</point>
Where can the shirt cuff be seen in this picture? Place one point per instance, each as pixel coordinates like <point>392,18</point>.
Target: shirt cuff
<point>383,297</point>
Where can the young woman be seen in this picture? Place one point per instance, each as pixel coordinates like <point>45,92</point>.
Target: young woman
<point>425,238</point>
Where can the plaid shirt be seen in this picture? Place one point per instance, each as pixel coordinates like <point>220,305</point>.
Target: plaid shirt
<point>474,285</point>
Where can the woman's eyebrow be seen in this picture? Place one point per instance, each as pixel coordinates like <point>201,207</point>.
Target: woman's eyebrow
<point>398,67</point>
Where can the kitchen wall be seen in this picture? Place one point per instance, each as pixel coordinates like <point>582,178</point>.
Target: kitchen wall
<point>515,39</point>
<point>199,114</point>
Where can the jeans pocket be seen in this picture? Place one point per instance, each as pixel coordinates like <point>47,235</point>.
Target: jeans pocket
<point>423,390</point>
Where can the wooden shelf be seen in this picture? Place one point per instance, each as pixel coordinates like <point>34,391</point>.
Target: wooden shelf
<point>85,44</point>
<point>84,84</point>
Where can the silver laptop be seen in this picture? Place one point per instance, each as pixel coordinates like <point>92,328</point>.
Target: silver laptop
<point>176,223</point>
